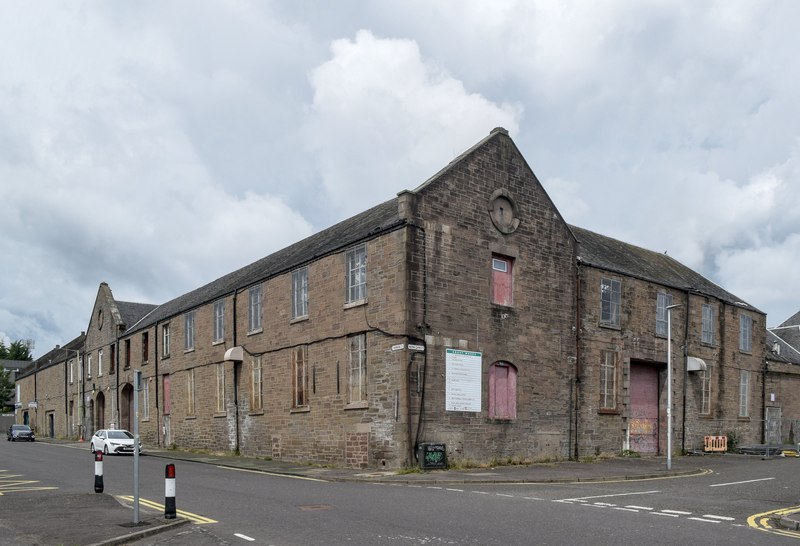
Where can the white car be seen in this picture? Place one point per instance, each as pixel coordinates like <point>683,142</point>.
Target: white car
<point>113,441</point>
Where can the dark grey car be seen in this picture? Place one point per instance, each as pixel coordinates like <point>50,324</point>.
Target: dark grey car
<point>20,432</point>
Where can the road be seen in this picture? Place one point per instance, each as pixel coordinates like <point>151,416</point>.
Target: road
<point>247,507</point>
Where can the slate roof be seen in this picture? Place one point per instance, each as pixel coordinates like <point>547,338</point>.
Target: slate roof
<point>626,259</point>
<point>785,352</point>
<point>131,312</point>
<point>368,224</point>
<point>54,356</point>
<point>787,331</point>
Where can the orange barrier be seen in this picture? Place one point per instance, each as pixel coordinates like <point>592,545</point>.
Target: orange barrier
<point>715,443</point>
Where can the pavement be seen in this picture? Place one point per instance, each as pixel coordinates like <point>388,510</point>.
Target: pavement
<point>102,519</point>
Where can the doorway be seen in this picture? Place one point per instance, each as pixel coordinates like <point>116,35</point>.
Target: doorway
<point>643,423</point>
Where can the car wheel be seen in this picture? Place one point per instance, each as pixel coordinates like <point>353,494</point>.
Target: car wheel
<point>105,450</point>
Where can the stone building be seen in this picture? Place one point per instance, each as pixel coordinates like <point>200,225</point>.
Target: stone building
<point>781,397</point>
<point>465,312</point>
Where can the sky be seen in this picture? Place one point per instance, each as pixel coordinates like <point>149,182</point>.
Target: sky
<point>158,145</point>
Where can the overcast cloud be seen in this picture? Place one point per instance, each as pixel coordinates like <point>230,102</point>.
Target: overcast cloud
<point>158,145</point>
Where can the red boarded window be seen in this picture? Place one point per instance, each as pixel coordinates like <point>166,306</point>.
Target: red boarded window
<point>501,280</point>
<point>502,391</point>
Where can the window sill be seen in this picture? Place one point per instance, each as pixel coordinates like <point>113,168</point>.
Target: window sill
<point>219,414</point>
<point>218,342</point>
<point>502,420</point>
<point>609,325</point>
<point>302,409</point>
<point>191,417</point>
<point>254,332</point>
<point>256,412</point>
<point>145,363</point>
<point>608,411</point>
<point>164,357</point>
<point>299,319</point>
<point>361,404</point>
<point>186,351</point>
<point>356,303</point>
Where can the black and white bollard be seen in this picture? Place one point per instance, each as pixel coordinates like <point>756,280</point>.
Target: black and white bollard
<point>98,471</point>
<point>169,492</point>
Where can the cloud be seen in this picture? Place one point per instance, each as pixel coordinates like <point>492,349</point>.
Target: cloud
<point>383,119</point>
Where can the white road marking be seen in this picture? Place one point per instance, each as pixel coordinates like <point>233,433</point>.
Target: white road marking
<point>723,518</point>
<point>459,490</point>
<point>679,512</point>
<point>626,509</point>
<point>279,475</point>
<point>635,507</point>
<point>615,495</point>
<point>706,520</point>
<point>481,492</point>
<point>737,483</point>
<point>245,537</point>
<point>664,514</point>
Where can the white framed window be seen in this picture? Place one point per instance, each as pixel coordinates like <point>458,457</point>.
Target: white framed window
<point>707,333</point>
<point>71,371</point>
<point>744,393</point>
<point>356,274</point>
<point>256,401</point>
<point>219,320</point>
<point>254,308</point>
<point>610,300</point>
<point>99,362</point>
<point>188,331</point>
<point>190,392</point>
<point>745,333</point>
<point>663,300</point>
<point>89,367</point>
<point>705,391</point>
<point>608,381</point>
<point>358,368</point>
<point>300,293</point>
<point>165,340</point>
<point>145,398</point>
<point>220,388</point>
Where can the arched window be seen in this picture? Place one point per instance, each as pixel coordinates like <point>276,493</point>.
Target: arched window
<point>502,391</point>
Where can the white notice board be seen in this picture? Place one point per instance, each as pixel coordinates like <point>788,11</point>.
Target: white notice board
<point>463,381</point>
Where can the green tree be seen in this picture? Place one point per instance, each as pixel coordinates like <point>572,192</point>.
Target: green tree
<point>18,350</point>
<point>6,388</point>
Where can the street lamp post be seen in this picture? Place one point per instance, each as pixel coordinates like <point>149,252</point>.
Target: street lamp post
<point>669,384</point>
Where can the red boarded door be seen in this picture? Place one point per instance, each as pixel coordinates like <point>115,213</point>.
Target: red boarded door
<point>643,422</point>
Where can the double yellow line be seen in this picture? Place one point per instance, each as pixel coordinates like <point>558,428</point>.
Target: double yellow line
<point>764,521</point>
<point>194,518</point>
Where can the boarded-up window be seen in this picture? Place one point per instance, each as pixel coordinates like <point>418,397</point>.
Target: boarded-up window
<point>502,286</point>
<point>300,377</point>
<point>502,391</point>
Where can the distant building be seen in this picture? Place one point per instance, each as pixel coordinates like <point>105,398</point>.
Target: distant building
<point>465,312</point>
